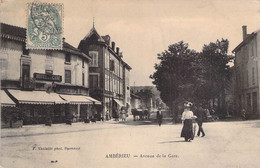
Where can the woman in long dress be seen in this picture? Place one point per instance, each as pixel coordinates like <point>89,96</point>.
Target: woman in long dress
<point>187,117</point>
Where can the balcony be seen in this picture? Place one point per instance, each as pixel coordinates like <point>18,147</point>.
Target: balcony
<point>27,83</point>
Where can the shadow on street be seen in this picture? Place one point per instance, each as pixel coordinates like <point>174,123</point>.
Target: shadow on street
<point>172,141</point>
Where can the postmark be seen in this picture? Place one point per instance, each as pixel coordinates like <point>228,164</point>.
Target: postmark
<point>44,26</point>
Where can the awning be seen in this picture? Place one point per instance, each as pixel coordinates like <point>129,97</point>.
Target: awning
<point>118,102</point>
<point>5,100</point>
<point>94,100</point>
<point>36,97</point>
<point>76,99</point>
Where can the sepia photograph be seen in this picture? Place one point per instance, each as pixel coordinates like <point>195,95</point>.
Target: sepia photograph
<point>130,83</point>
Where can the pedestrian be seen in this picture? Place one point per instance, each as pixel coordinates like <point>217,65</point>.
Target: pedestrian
<point>159,117</point>
<point>117,114</point>
<point>187,117</point>
<point>243,114</point>
<point>201,116</point>
<point>123,114</point>
<point>107,115</point>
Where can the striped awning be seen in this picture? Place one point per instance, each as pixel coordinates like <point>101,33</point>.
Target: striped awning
<point>119,102</point>
<point>36,97</point>
<point>76,99</point>
<point>5,100</point>
<point>94,100</point>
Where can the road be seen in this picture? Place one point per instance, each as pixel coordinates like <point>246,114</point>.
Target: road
<point>120,145</point>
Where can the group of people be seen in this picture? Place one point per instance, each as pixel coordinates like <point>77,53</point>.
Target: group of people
<point>189,120</point>
<point>120,114</point>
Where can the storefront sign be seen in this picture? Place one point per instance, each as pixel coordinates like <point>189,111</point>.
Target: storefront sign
<point>47,77</point>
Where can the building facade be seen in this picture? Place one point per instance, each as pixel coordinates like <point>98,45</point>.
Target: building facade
<point>44,84</point>
<point>135,102</point>
<point>246,67</point>
<point>108,73</point>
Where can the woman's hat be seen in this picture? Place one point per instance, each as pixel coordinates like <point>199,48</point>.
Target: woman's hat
<point>187,104</point>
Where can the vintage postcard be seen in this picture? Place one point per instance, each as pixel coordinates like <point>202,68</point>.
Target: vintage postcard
<point>130,83</point>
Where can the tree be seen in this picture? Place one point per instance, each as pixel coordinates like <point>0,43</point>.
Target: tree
<point>216,72</point>
<point>176,75</point>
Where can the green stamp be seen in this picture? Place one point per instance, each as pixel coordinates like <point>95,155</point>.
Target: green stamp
<point>44,26</point>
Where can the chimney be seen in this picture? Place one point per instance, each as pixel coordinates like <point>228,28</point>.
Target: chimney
<point>117,50</point>
<point>244,29</point>
<point>113,45</point>
<point>121,54</point>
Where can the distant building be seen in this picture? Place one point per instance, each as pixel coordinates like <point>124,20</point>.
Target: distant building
<point>108,73</point>
<point>246,65</point>
<point>150,97</point>
<point>42,83</point>
<point>135,101</point>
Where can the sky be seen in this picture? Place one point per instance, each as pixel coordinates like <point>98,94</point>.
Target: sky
<point>142,28</point>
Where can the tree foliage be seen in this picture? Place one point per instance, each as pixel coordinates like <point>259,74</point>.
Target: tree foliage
<point>184,74</point>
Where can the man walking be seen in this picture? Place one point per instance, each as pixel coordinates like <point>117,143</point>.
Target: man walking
<point>159,117</point>
<point>200,113</point>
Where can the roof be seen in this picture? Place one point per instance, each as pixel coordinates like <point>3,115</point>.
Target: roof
<point>19,34</point>
<point>126,65</point>
<point>69,48</point>
<point>249,37</point>
<point>105,40</point>
<point>13,32</point>
<point>94,32</point>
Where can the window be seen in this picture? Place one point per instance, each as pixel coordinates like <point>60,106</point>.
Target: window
<point>67,57</point>
<point>253,75</point>
<point>25,75</point>
<point>107,60</point>
<point>106,82</point>
<point>112,65</point>
<point>248,98</point>
<point>67,76</point>
<point>83,79</point>
<point>93,81</point>
<point>83,65</point>
<point>94,56</point>
<point>3,67</point>
<point>247,78</point>
<point>254,102</point>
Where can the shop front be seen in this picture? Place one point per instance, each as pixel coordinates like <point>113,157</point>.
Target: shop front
<point>9,116</point>
<point>37,107</point>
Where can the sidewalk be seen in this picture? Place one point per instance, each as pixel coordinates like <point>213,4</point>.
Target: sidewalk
<point>33,130</point>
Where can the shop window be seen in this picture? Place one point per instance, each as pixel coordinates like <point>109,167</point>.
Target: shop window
<point>67,76</point>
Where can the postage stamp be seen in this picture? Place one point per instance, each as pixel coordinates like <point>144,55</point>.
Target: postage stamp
<point>44,26</point>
